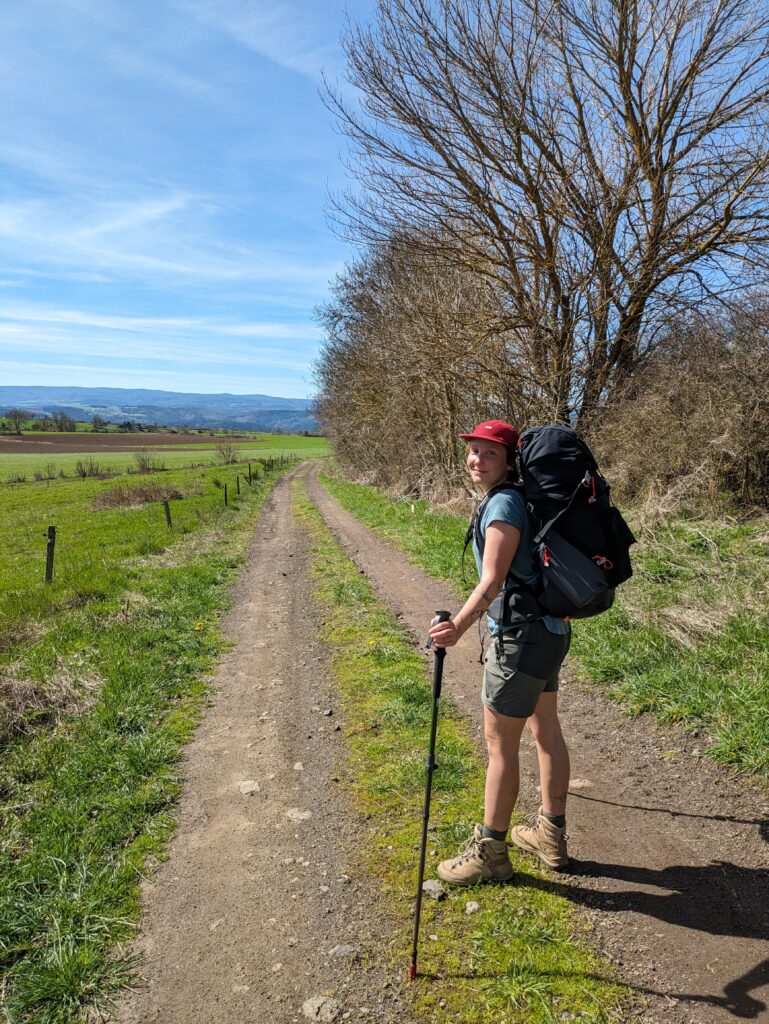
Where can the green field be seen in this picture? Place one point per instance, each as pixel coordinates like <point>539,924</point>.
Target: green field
<point>102,678</point>
<point>199,451</point>
<point>687,639</point>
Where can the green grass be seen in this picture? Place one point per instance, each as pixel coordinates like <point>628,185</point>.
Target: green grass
<point>688,638</point>
<point>92,543</point>
<point>126,634</point>
<point>520,958</point>
<point>197,451</point>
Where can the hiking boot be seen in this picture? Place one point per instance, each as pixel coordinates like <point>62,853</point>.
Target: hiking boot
<point>544,839</point>
<point>482,860</point>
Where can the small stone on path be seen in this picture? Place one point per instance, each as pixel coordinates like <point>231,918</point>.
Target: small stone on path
<point>433,889</point>
<point>342,952</point>
<point>297,814</point>
<point>472,907</point>
<point>298,767</point>
<point>248,787</point>
<point>321,1008</point>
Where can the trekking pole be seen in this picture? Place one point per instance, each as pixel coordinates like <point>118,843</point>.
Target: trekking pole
<point>440,654</point>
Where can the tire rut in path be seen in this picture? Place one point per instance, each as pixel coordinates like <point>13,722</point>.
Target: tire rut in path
<point>240,921</point>
<point>669,850</point>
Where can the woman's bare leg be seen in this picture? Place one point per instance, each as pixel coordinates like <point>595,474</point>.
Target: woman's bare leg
<point>503,735</point>
<point>552,754</point>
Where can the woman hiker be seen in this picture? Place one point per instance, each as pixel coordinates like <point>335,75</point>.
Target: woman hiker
<point>520,679</point>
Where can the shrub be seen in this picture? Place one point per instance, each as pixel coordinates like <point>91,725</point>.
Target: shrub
<point>48,472</point>
<point>226,452</point>
<point>147,462</point>
<point>89,467</point>
<point>693,425</point>
<point>141,494</point>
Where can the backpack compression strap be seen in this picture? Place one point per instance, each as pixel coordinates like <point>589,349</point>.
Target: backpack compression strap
<point>584,482</point>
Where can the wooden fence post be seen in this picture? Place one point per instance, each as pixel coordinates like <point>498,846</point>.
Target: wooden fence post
<point>237,482</point>
<point>49,552</point>
<point>249,474</point>
<point>167,508</point>
<point>225,495</point>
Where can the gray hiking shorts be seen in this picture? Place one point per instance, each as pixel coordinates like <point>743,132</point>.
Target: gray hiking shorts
<point>525,665</point>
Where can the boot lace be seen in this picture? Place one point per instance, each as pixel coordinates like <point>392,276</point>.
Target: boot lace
<point>532,821</point>
<point>473,849</point>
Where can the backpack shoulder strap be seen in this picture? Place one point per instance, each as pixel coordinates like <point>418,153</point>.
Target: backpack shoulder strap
<point>473,531</point>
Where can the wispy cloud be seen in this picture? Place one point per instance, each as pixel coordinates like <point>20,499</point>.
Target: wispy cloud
<point>132,216</point>
<point>147,69</point>
<point>161,193</point>
<point>172,236</point>
<point>289,385</point>
<point>280,31</point>
<point>75,337</point>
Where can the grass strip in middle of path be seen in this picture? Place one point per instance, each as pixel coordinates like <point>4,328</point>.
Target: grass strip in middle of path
<point>517,959</point>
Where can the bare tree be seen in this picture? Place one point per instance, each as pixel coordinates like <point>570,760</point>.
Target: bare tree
<point>63,421</point>
<point>412,356</point>
<point>604,162</point>
<point>226,452</point>
<point>16,418</point>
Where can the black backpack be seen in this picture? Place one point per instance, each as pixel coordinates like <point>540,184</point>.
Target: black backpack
<point>582,541</point>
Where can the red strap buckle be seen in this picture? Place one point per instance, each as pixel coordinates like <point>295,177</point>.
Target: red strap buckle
<point>545,557</point>
<point>604,562</point>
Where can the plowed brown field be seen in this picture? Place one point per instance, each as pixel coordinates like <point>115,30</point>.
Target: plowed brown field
<point>26,444</point>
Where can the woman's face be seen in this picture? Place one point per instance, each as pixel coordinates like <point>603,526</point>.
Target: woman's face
<point>487,463</point>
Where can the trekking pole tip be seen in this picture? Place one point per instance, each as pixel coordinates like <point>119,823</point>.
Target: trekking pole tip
<point>412,972</point>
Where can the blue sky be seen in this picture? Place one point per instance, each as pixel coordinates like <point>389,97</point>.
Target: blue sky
<point>164,167</point>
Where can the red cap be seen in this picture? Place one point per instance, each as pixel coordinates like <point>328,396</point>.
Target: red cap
<point>494,430</point>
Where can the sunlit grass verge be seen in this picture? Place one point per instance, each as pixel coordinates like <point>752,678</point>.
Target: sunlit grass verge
<point>87,801</point>
<point>688,638</point>
<point>519,958</point>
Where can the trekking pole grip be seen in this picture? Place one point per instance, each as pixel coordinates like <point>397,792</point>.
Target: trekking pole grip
<point>440,653</point>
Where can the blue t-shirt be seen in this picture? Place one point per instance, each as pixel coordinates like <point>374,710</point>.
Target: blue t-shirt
<point>509,507</point>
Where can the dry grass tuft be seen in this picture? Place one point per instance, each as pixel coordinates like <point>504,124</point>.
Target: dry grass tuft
<point>692,625</point>
<point>122,496</point>
<point>188,549</point>
<point>14,633</point>
<point>25,703</point>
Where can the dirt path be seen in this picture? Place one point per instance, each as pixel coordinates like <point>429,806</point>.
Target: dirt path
<point>259,888</point>
<point>670,852</point>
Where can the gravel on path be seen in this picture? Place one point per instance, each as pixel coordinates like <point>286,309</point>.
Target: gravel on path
<point>260,915</point>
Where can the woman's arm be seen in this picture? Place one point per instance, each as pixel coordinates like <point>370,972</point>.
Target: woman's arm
<point>501,544</point>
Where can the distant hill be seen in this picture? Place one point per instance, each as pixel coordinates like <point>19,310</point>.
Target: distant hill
<point>170,408</point>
